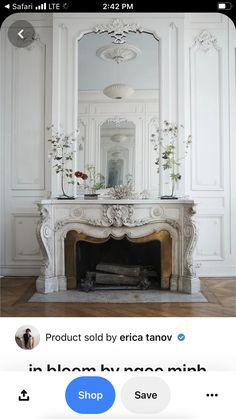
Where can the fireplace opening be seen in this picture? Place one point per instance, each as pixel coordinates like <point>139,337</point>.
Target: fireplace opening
<point>125,263</point>
<point>118,264</point>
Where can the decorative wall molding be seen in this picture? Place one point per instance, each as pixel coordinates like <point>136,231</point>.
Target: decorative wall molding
<point>118,53</point>
<point>116,120</point>
<point>26,86</point>
<point>118,30</point>
<point>37,43</point>
<point>25,249</point>
<point>27,174</point>
<point>207,127</point>
<point>205,41</point>
<point>213,249</point>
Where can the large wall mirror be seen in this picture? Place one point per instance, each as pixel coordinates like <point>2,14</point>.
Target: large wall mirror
<point>118,96</point>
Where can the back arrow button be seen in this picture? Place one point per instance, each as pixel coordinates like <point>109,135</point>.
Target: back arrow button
<point>20,34</point>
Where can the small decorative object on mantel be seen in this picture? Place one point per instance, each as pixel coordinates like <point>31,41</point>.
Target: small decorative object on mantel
<point>82,176</point>
<point>122,192</point>
<point>165,142</point>
<point>62,153</point>
<point>91,196</point>
<point>95,182</point>
<point>145,194</point>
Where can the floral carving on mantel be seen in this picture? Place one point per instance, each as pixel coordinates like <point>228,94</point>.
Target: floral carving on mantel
<point>76,212</point>
<point>172,223</point>
<point>118,216</point>
<point>157,212</point>
<point>118,30</point>
<point>205,41</point>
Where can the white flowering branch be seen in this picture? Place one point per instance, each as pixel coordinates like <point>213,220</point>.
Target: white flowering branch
<point>165,141</point>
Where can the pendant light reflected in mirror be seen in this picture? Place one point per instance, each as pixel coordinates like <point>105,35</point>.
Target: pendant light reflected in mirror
<point>118,91</point>
<point>119,138</point>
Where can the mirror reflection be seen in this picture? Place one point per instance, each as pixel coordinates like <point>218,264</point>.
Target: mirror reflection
<point>117,152</point>
<point>118,82</point>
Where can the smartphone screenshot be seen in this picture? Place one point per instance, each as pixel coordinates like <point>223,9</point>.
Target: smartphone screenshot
<point>117,210</point>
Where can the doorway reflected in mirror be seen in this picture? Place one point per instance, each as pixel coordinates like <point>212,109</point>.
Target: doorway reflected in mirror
<point>117,152</point>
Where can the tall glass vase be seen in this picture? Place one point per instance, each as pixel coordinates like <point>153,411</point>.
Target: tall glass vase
<point>172,193</point>
<point>173,183</point>
<point>64,195</point>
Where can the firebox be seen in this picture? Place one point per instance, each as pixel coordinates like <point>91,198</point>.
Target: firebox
<point>118,263</point>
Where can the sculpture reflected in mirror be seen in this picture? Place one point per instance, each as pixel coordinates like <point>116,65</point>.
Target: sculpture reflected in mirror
<point>118,98</point>
<point>117,152</point>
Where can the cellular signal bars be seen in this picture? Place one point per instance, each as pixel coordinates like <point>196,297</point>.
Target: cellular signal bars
<point>42,6</point>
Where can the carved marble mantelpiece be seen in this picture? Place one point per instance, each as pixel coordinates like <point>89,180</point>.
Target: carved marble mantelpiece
<point>117,218</point>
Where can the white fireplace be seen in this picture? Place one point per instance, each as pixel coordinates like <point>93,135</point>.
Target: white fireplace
<point>117,218</point>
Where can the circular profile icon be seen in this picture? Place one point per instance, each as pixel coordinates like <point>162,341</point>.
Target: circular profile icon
<point>27,337</point>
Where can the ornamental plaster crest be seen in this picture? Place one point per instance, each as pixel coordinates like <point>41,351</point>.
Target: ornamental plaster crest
<point>118,216</point>
<point>205,41</point>
<point>116,121</point>
<point>118,30</point>
<point>119,53</point>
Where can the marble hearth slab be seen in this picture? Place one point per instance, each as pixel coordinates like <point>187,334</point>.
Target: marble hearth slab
<point>123,296</point>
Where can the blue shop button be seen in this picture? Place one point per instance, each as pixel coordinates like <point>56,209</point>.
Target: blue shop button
<point>90,395</point>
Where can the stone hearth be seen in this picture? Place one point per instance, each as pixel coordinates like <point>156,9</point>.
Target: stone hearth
<point>101,219</point>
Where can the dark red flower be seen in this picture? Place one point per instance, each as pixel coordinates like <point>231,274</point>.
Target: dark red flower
<point>81,175</point>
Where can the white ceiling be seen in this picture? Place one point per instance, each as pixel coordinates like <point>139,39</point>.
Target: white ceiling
<point>96,74</point>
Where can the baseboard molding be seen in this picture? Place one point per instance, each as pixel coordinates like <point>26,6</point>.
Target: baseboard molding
<point>20,271</point>
<point>216,272</point>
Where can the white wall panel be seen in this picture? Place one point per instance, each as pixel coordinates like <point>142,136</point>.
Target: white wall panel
<point>206,84</point>
<point>210,246</point>
<point>209,66</point>
<point>26,101</point>
<point>28,119</point>
<point>25,246</point>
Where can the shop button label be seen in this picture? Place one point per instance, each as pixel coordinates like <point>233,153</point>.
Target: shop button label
<point>90,395</point>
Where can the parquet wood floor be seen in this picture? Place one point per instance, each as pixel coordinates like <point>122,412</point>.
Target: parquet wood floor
<point>220,293</point>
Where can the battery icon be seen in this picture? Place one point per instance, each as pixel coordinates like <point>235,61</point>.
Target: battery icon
<point>224,6</point>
